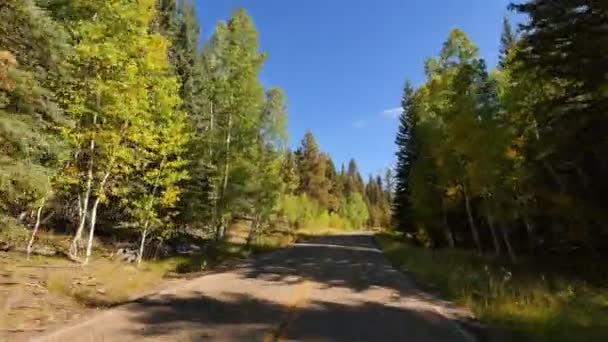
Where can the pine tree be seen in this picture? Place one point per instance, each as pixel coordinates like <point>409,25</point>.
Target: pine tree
<point>405,141</point>
<point>354,181</point>
<point>312,168</point>
<point>334,187</point>
<point>507,42</point>
<point>569,80</point>
<point>289,173</point>
<point>34,55</point>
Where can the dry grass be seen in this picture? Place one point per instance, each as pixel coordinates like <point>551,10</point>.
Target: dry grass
<point>525,303</point>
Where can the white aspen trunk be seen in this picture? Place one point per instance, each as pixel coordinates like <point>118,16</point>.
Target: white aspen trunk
<point>507,240</point>
<point>142,244</point>
<point>211,127</point>
<point>36,226</point>
<point>91,230</point>
<point>150,205</point>
<point>555,177</point>
<point>446,227</point>
<point>221,228</point>
<point>84,204</point>
<point>474,231</point>
<point>493,231</point>
<point>94,214</point>
<point>531,233</point>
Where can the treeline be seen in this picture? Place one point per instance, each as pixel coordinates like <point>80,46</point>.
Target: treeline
<point>512,159</point>
<point>318,195</point>
<point>113,121</point>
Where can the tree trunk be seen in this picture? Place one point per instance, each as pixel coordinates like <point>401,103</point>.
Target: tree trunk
<point>531,233</point>
<point>150,206</point>
<point>91,230</point>
<point>84,201</point>
<point>142,244</point>
<point>221,227</point>
<point>474,231</point>
<point>227,166</point>
<point>505,235</point>
<point>94,213</point>
<point>211,127</point>
<point>493,231</point>
<point>446,227</point>
<point>36,226</point>
<point>253,231</point>
<point>555,177</point>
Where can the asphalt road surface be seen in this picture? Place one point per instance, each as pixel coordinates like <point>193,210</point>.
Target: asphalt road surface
<point>332,288</point>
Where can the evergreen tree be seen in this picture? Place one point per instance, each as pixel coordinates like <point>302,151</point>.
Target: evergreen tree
<point>312,168</point>
<point>289,173</point>
<point>33,68</point>
<point>507,42</point>
<point>354,181</point>
<point>405,155</point>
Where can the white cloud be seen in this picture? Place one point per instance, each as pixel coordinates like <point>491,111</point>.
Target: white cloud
<point>359,124</point>
<point>392,113</point>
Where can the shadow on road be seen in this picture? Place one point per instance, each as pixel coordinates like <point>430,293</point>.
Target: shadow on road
<point>333,288</point>
<point>243,317</point>
<point>350,263</point>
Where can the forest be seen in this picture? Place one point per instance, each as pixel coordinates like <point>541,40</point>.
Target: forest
<point>511,160</point>
<point>115,123</point>
<point>500,190</point>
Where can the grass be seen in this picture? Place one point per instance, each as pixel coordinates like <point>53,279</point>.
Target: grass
<point>526,302</point>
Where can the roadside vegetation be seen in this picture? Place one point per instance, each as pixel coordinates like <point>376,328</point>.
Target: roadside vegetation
<point>535,300</point>
<point>500,197</point>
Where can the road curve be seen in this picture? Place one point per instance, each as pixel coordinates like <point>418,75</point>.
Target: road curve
<point>332,288</point>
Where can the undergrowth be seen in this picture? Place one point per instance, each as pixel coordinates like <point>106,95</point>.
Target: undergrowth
<point>527,301</point>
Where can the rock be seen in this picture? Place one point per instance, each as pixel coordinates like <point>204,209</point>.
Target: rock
<point>45,250</point>
<point>101,291</point>
<point>5,246</point>
<point>187,248</point>
<point>128,255</point>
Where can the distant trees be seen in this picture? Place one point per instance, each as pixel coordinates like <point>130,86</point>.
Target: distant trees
<point>511,154</point>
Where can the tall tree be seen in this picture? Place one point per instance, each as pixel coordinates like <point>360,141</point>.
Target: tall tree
<point>312,168</point>
<point>507,41</point>
<point>405,154</point>
<point>233,100</point>
<point>569,115</point>
<point>34,65</point>
<point>116,99</point>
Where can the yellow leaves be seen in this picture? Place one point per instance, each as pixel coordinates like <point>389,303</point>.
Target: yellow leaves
<point>7,60</point>
<point>452,191</point>
<point>512,153</point>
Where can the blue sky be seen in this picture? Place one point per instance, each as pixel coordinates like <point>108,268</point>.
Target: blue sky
<point>343,63</point>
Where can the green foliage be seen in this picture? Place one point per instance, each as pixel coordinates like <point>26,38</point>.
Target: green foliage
<point>31,115</point>
<point>302,212</point>
<point>312,170</point>
<point>354,209</point>
<point>528,302</point>
<point>513,153</point>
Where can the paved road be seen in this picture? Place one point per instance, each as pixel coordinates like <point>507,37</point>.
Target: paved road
<point>333,288</point>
